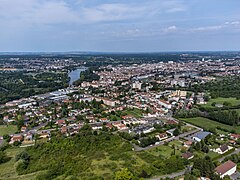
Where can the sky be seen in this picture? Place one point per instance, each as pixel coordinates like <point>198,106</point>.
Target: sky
<point>119,25</point>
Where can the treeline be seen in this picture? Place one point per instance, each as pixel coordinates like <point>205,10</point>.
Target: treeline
<point>183,113</point>
<point>16,85</point>
<point>227,87</point>
<point>230,117</point>
<point>146,141</point>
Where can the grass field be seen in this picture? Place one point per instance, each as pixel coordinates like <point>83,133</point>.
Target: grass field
<point>7,170</point>
<point>220,100</point>
<point>163,151</point>
<point>208,124</point>
<point>10,129</point>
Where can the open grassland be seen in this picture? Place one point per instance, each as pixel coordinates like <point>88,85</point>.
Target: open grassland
<point>208,124</point>
<point>232,101</point>
<point>8,170</point>
<point>92,156</point>
<point>10,129</point>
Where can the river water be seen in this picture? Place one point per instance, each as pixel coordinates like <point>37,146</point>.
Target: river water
<point>75,74</point>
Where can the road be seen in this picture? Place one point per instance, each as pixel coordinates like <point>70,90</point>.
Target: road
<point>173,175</point>
<point>234,152</point>
<point>137,148</point>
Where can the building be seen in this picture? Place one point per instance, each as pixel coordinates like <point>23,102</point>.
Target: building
<point>200,136</point>
<point>188,155</point>
<point>235,136</point>
<point>137,85</point>
<point>165,104</point>
<point>226,169</point>
<point>223,149</point>
<point>161,136</point>
<point>16,137</point>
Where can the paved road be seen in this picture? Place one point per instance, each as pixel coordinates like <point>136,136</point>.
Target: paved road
<point>197,129</point>
<point>234,152</point>
<point>137,148</point>
<point>173,175</point>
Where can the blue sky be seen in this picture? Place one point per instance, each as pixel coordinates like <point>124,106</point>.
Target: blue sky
<point>119,25</point>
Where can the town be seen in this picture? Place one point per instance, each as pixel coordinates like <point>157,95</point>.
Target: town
<point>166,108</point>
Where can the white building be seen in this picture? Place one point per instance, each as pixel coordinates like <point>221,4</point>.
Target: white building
<point>226,169</point>
<point>223,149</point>
<point>137,85</point>
<point>165,104</point>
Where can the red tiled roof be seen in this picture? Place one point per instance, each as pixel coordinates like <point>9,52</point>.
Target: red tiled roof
<point>223,168</point>
<point>235,136</point>
<point>187,155</point>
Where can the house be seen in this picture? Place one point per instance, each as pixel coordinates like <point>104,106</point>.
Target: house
<point>16,137</point>
<point>223,149</point>
<point>96,126</point>
<point>235,136</point>
<point>64,129</point>
<point>60,122</point>
<point>171,122</point>
<point>119,125</point>
<point>127,117</point>
<point>188,155</point>
<point>44,134</point>
<point>103,120</point>
<point>28,137</point>
<point>23,129</point>
<point>227,168</point>
<point>188,143</point>
<point>200,136</point>
<point>109,125</point>
<point>161,136</point>
<point>165,104</point>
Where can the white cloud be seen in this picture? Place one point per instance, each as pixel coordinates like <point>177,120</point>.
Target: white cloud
<point>232,24</point>
<point>111,12</point>
<point>27,12</point>
<point>172,28</point>
<point>208,28</point>
<point>62,11</point>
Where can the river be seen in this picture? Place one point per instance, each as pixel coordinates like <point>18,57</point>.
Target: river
<point>75,74</point>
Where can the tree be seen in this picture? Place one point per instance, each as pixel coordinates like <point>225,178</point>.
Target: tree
<point>124,174</point>
<point>213,104</point>
<point>205,149</point>
<point>7,137</point>
<point>176,132</point>
<point>3,157</point>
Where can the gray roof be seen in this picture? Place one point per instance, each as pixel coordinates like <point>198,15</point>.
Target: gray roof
<point>201,135</point>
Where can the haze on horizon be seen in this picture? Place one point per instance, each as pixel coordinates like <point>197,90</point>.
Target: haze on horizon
<point>119,25</point>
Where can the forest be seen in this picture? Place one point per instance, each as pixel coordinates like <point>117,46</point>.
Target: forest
<point>16,85</point>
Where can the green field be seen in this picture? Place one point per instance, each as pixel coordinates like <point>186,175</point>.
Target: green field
<point>7,170</point>
<point>220,100</point>
<point>163,151</point>
<point>208,124</point>
<point>10,129</point>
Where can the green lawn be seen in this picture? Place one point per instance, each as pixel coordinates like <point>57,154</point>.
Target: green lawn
<point>220,100</point>
<point>202,154</point>
<point>163,151</point>
<point>207,124</point>
<point>10,129</point>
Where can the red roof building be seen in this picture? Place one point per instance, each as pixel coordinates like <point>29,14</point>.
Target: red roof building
<point>227,168</point>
